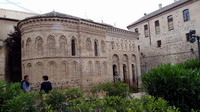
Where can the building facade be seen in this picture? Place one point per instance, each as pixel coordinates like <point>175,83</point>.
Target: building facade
<point>164,34</point>
<point>8,19</point>
<point>76,52</point>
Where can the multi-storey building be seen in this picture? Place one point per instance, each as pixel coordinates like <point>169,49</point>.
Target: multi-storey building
<point>164,33</point>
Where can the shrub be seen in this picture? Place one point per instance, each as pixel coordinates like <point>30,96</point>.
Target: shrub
<point>73,93</point>
<point>23,103</point>
<point>120,104</point>
<point>176,84</point>
<point>56,99</point>
<point>112,89</point>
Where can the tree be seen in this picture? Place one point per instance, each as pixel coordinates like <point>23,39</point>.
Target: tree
<point>13,62</point>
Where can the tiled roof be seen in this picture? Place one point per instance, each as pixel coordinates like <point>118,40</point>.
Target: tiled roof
<point>61,15</point>
<point>166,8</point>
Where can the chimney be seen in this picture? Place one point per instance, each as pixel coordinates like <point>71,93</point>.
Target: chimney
<point>160,6</point>
<point>145,14</point>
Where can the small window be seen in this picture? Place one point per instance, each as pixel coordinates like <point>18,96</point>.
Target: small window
<point>186,15</point>
<point>95,49</point>
<point>159,43</point>
<point>146,32</point>
<point>170,22</point>
<point>136,30</point>
<point>157,27</point>
<point>138,48</point>
<point>187,37</point>
<point>73,46</point>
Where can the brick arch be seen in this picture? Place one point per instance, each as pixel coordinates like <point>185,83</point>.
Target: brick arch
<point>52,68</point>
<point>64,73</point>
<point>28,47</point>
<point>39,71</point>
<point>39,46</point>
<point>51,45</point>
<point>98,68</point>
<point>74,68</point>
<point>63,45</point>
<point>90,68</point>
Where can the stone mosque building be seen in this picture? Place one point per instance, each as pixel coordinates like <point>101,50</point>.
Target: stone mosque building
<point>76,52</point>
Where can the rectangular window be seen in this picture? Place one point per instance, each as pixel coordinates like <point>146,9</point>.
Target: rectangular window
<point>157,27</point>
<point>159,43</point>
<point>186,15</point>
<point>187,37</point>
<point>136,30</point>
<point>138,48</point>
<point>146,32</point>
<point>170,22</point>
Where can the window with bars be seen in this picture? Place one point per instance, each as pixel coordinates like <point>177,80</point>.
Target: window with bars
<point>157,27</point>
<point>146,32</point>
<point>170,22</point>
<point>186,15</point>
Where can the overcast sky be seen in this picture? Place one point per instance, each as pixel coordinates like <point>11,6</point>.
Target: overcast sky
<point>115,12</point>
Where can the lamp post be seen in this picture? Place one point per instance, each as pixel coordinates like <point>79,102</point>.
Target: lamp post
<point>193,38</point>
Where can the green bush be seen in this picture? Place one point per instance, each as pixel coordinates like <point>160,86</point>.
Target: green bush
<point>23,103</point>
<point>120,104</point>
<point>56,99</point>
<point>73,93</point>
<point>178,84</point>
<point>112,89</point>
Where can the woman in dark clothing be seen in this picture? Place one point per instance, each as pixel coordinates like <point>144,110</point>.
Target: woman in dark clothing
<point>46,85</point>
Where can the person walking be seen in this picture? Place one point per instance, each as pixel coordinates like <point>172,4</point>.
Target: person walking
<point>46,86</point>
<point>25,85</point>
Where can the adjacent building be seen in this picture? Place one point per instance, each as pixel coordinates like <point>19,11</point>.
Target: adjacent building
<point>8,19</point>
<point>164,33</point>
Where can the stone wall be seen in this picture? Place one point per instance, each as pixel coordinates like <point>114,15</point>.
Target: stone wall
<point>174,48</point>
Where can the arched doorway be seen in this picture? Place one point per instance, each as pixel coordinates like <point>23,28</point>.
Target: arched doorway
<point>125,74</point>
<point>115,65</point>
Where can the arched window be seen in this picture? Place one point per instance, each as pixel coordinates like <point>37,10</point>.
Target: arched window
<point>105,68</point>
<point>64,70</point>
<point>98,68</point>
<point>90,68</point>
<point>89,45</point>
<point>73,47</point>
<point>38,71</point>
<point>28,47</point>
<point>103,46</point>
<point>96,48</point>
<point>52,70</point>
<point>39,46</point>
<point>63,45</point>
<point>51,45</point>
<point>75,69</point>
<point>146,31</point>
